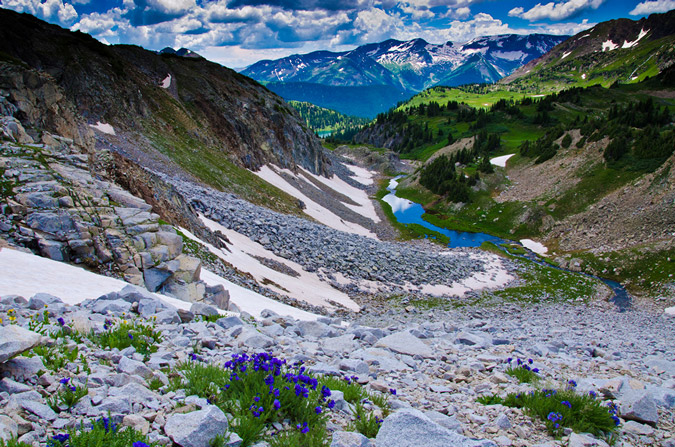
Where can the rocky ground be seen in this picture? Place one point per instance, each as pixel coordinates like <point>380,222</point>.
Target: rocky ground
<point>438,362</point>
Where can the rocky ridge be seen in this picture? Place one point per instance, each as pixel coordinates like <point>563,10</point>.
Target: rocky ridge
<point>438,363</point>
<point>53,205</point>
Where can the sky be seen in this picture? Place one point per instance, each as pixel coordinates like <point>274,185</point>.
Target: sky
<point>237,33</point>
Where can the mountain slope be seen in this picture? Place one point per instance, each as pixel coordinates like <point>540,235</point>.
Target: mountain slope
<point>167,112</point>
<point>620,50</point>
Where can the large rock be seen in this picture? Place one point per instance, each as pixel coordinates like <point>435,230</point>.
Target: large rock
<point>40,300</point>
<point>405,343</point>
<point>197,428</point>
<point>14,340</point>
<point>349,439</point>
<point>8,428</point>
<point>639,405</point>
<point>411,428</point>
<point>134,368</point>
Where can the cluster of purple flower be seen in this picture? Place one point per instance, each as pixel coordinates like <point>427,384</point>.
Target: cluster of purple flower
<point>555,418</point>
<point>65,382</point>
<point>304,427</point>
<point>549,393</point>
<point>523,364</point>
<point>571,384</point>
<point>59,440</point>
<point>108,324</point>
<point>613,410</point>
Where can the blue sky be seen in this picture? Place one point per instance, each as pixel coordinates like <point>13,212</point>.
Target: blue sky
<point>237,33</point>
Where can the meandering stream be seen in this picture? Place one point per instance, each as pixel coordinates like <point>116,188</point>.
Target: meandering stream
<point>408,212</point>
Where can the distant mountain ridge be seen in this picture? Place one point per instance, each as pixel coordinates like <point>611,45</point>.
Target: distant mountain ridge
<point>410,65</point>
<point>374,77</point>
<point>620,50</point>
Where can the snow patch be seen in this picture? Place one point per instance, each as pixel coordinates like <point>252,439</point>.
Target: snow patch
<point>364,206</point>
<point>26,274</point>
<point>583,76</point>
<point>501,161</point>
<point>306,287</point>
<point>627,44</point>
<point>534,246</point>
<point>166,83</point>
<point>509,55</point>
<point>313,209</point>
<point>567,53</point>
<point>103,127</point>
<point>361,175</point>
<point>608,45</point>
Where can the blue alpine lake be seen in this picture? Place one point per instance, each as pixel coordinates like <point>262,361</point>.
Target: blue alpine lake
<point>408,212</point>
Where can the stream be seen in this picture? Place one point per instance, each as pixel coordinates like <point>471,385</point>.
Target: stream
<point>408,212</point>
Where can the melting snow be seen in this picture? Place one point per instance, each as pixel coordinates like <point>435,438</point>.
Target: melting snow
<point>313,209</point>
<point>536,247</point>
<point>103,127</point>
<point>307,287</point>
<point>627,44</point>
<point>501,161</point>
<point>608,45</point>
<point>566,54</point>
<point>166,83</point>
<point>364,207</point>
<point>361,175</point>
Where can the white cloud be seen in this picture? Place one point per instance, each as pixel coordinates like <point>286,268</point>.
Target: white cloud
<point>555,11</point>
<point>50,10</point>
<point>649,7</point>
<point>172,6</point>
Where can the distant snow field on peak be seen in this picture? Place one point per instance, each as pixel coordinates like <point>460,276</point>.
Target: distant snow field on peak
<point>103,127</point>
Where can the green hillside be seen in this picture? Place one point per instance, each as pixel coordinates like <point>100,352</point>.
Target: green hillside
<point>571,149</point>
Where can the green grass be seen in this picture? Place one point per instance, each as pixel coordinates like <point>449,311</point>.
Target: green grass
<point>444,95</point>
<point>142,336</point>
<point>644,270</point>
<point>102,433</point>
<point>596,182</point>
<point>366,422</point>
<point>67,396</point>
<point>522,373</point>
<point>558,409</point>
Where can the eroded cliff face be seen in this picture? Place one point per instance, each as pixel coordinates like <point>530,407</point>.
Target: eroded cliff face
<point>155,104</point>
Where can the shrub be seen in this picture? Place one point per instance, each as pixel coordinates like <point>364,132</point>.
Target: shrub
<point>367,423</point>
<point>142,336</point>
<point>583,413</point>
<point>103,433</point>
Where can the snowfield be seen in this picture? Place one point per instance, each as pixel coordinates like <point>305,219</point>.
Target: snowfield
<point>26,274</point>
<point>313,209</point>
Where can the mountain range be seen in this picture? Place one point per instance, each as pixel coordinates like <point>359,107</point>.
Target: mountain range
<point>403,67</point>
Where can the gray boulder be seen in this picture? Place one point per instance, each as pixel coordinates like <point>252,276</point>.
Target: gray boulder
<point>197,428</point>
<point>585,440</point>
<point>14,340</point>
<point>405,343</point>
<point>203,309</point>
<point>40,300</point>
<point>134,368</point>
<point>639,405</point>
<point>410,427</point>
<point>349,439</point>
<point>229,322</point>
<point>8,428</point>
